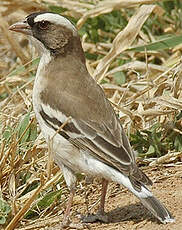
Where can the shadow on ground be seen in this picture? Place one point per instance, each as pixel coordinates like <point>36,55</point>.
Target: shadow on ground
<point>133,212</point>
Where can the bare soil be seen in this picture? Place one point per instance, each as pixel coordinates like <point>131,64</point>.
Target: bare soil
<point>126,212</point>
<point>123,208</point>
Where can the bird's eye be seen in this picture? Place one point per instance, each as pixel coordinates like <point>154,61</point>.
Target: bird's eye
<point>43,25</point>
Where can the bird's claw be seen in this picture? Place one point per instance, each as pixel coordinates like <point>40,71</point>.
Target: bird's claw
<point>100,216</point>
<point>78,226</point>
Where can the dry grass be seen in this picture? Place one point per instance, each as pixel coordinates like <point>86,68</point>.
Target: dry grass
<point>145,89</point>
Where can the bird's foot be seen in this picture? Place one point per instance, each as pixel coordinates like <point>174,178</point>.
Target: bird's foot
<point>99,216</point>
<point>68,225</point>
<point>65,223</point>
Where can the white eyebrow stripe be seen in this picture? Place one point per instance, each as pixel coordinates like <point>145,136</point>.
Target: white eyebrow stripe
<point>56,19</point>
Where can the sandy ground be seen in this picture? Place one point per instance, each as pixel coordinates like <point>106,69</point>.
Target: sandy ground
<point>123,208</point>
<point>126,212</point>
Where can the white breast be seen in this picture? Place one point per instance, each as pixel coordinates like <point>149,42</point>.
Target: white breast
<point>61,146</point>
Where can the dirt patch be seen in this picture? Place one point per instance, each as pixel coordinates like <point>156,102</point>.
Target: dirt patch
<point>123,208</point>
<point>126,212</point>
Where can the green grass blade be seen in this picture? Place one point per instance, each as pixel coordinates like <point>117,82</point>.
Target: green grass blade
<point>166,43</point>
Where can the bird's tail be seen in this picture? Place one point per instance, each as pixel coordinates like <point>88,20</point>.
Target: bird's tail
<point>157,209</point>
<point>147,199</point>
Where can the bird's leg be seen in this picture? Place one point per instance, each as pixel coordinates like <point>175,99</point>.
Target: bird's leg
<point>68,208</point>
<point>66,222</point>
<point>103,196</point>
<point>100,215</point>
<point>88,180</point>
<point>70,179</point>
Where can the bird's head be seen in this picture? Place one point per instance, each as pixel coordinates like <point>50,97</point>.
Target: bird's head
<point>51,32</point>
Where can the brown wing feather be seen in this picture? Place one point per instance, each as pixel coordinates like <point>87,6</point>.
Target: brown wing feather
<point>80,97</point>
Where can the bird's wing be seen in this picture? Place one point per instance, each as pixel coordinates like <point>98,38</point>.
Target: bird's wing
<point>97,138</point>
<point>93,126</point>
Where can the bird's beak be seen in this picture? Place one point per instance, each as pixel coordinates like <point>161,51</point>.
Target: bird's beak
<point>21,27</point>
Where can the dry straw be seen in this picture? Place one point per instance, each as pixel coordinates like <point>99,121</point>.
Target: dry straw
<point>152,93</point>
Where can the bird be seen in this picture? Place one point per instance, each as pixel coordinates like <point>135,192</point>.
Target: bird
<point>73,111</point>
